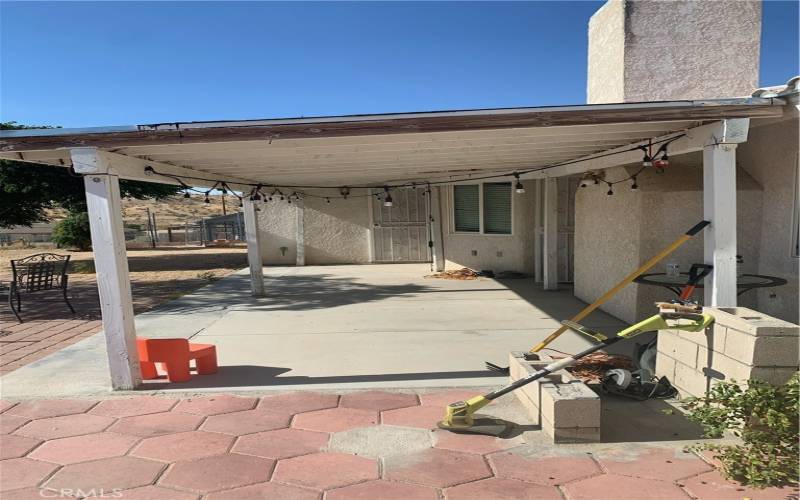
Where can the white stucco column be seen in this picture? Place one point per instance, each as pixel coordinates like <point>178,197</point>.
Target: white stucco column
<point>719,207</point>
<point>437,250</point>
<point>538,231</point>
<point>253,248</point>
<point>111,265</point>
<point>300,209</point>
<point>550,237</point>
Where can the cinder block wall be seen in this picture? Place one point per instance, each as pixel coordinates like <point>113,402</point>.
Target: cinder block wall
<point>742,344</point>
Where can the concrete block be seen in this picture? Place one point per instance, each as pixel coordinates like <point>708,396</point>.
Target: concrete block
<point>563,435</point>
<point>726,368</point>
<point>570,405</point>
<point>762,350</point>
<point>775,376</point>
<point>665,366</point>
<point>689,381</point>
<point>678,348</point>
<point>752,322</point>
<point>667,342</point>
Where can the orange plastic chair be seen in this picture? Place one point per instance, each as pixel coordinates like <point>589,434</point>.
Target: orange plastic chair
<point>174,356</point>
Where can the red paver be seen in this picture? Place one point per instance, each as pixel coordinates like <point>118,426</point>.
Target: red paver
<point>656,463</point>
<point>444,398</point>
<point>299,402</point>
<point>14,446</point>
<point>9,423</point>
<point>324,471</point>
<point>384,490</point>
<point>66,426</point>
<point>130,407</point>
<point>247,422</point>
<point>155,493</point>
<point>437,468</point>
<point>107,474</point>
<point>424,417</point>
<point>76,449</point>
<point>6,404</point>
<point>335,419</point>
<point>263,491</point>
<point>712,486</point>
<point>614,487</point>
<point>548,471</point>
<point>46,408</point>
<point>378,400</point>
<point>215,405</point>
<point>23,473</point>
<point>156,424</point>
<point>501,489</point>
<point>29,494</point>
<point>281,443</point>
<point>183,446</point>
<point>218,473</point>
<point>473,443</point>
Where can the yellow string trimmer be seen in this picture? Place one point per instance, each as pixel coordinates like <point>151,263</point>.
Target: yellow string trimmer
<point>460,416</point>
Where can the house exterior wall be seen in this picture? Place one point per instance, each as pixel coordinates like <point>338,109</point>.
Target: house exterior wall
<point>641,50</point>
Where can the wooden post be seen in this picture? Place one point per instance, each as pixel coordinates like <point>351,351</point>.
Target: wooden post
<point>300,258</point>
<point>253,248</point>
<point>113,282</point>
<point>437,249</point>
<point>719,206</point>
<point>550,237</point>
<point>538,248</point>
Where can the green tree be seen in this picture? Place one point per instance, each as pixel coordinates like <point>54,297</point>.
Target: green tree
<point>27,190</point>
<point>73,231</point>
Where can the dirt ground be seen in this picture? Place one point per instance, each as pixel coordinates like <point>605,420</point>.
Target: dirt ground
<point>157,276</point>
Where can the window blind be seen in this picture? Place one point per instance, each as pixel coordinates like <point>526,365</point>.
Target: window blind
<point>466,204</point>
<point>497,208</point>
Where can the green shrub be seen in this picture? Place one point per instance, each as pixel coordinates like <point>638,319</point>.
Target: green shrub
<point>765,418</point>
<point>73,231</point>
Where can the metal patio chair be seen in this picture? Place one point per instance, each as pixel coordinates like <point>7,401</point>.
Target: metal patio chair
<point>37,273</point>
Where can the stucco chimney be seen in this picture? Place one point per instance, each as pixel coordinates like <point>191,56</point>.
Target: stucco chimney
<point>645,50</point>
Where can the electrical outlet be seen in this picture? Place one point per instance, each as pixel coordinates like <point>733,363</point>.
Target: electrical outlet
<point>499,253</point>
<point>474,253</point>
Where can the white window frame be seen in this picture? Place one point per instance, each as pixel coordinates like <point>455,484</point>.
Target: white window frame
<point>452,209</point>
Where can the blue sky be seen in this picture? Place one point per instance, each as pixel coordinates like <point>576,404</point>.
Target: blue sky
<point>116,63</point>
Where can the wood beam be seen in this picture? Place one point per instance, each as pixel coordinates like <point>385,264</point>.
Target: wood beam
<point>437,248</point>
<point>719,207</point>
<point>300,258</point>
<point>253,248</point>
<point>113,282</point>
<point>550,237</point>
<point>538,230</point>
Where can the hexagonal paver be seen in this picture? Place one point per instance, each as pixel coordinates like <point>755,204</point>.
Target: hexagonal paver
<point>378,400</point>
<point>385,490</point>
<point>622,488</point>
<point>51,407</point>
<point>130,407</point>
<point>335,419</point>
<point>29,494</point>
<point>713,486</point>
<point>215,405</point>
<point>156,424</point>
<point>548,471</point>
<point>473,443</point>
<point>324,471</point>
<point>65,426</point>
<point>6,404</point>
<point>444,398</point>
<point>664,464</point>
<point>107,474</point>
<point>9,423</point>
<point>219,472</point>
<point>264,491</point>
<point>84,448</point>
<point>23,473</point>
<point>380,441</point>
<point>281,443</point>
<point>424,417</point>
<point>247,422</point>
<point>437,468</point>
<point>299,402</point>
<point>501,489</point>
<point>183,446</point>
<point>156,492</point>
<point>14,446</point>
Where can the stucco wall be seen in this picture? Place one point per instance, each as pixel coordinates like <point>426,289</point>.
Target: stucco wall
<point>516,249</point>
<point>615,234</point>
<point>673,50</point>
<point>277,223</point>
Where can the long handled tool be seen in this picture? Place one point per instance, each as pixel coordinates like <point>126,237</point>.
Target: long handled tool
<point>625,282</point>
<point>460,416</point>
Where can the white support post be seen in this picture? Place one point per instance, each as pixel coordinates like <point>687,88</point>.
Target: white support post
<point>300,259</point>
<point>719,206</point>
<point>113,283</point>
<point>437,249</point>
<point>538,273</point>
<point>550,237</point>
<point>253,248</point>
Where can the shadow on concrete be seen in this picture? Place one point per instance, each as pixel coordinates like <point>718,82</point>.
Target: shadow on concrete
<point>627,421</point>
<point>254,376</point>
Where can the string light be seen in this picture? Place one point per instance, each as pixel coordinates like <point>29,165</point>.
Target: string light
<point>519,187</point>
<point>610,188</point>
<point>388,201</point>
<point>634,185</point>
